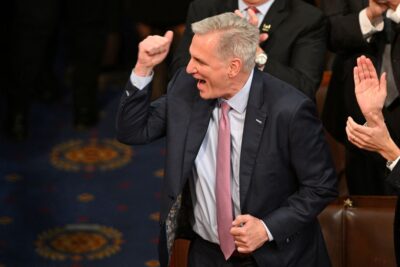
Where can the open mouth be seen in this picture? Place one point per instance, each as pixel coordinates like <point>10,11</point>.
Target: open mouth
<point>200,83</point>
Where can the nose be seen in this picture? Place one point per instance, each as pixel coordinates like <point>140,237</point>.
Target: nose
<point>190,68</point>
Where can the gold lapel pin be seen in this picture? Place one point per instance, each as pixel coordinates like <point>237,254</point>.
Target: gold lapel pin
<point>266,27</point>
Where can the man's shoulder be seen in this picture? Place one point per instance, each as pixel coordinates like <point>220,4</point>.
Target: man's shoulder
<point>282,96</point>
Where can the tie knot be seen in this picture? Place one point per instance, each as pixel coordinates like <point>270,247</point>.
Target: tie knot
<point>255,10</point>
<point>225,107</point>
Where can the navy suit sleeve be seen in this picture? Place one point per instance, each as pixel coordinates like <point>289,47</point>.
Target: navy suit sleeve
<point>140,121</point>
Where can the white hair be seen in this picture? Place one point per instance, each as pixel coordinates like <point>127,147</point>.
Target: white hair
<point>238,37</point>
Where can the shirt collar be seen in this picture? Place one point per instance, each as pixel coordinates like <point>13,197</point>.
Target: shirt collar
<point>239,101</point>
<point>262,8</point>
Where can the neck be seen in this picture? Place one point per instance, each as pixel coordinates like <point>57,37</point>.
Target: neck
<point>237,83</point>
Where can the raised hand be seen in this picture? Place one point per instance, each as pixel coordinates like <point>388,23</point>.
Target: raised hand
<point>370,91</point>
<point>152,51</point>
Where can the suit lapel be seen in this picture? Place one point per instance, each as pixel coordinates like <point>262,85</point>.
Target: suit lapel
<point>198,125</point>
<point>275,16</point>
<point>256,117</point>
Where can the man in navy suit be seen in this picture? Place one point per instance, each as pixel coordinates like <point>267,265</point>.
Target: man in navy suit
<point>281,173</point>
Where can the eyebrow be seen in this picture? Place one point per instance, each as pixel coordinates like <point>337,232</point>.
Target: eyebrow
<point>199,60</point>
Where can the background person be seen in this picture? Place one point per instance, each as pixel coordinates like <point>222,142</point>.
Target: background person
<point>358,27</point>
<point>371,94</point>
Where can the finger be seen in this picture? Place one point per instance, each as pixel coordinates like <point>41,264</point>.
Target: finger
<point>358,133</point>
<point>383,83</point>
<point>239,13</point>
<point>160,44</point>
<point>364,67</point>
<point>239,244</point>
<point>355,127</point>
<point>263,37</point>
<point>241,220</point>
<point>239,240</point>
<point>253,19</point>
<point>356,77</point>
<point>371,68</point>
<point>360,72</point>
<point>353,138</point>
<point>244,249</point>
<point>236,231</point>
<point>349,135</point>
<point>169,35</point>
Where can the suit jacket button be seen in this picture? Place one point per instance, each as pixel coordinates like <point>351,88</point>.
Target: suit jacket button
<point>287,240</point>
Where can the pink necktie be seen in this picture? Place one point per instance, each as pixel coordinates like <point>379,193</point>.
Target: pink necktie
<point>223,184</point>
<point>255,10</point>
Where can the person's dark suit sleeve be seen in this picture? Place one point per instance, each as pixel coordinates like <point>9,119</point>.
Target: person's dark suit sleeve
<point>312,164</point>
<point>394,177</point>
<point>140,121</point>
<point>307,58</point>
<point>344,26</point>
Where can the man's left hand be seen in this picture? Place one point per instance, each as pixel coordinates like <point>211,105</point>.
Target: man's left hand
<point>249,233</point>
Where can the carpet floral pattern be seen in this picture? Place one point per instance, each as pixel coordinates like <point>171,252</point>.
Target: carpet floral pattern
<point>78,199</point>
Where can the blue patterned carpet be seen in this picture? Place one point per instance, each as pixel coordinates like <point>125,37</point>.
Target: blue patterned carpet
<point>78,199</point>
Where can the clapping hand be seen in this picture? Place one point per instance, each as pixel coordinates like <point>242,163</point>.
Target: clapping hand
<point>370,91</point>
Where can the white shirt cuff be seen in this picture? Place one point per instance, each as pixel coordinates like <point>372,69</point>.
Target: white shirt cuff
<point>394,14</point>
<point>270,237</point>
<point>140,82</point>
<point>392,164</point>
<point>368,28</point>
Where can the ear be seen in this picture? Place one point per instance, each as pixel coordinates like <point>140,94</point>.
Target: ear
<point>235,67</point>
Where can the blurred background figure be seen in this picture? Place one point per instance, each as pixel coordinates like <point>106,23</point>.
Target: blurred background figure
<point>37,30</point>
<point>296,43</point>
<point>370,28</point>
<point>155,18</point>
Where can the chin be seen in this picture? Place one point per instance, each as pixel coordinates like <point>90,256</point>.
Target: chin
<point>204,96</point>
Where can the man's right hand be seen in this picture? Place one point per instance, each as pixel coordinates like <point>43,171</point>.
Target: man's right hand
<point>152,51</point>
